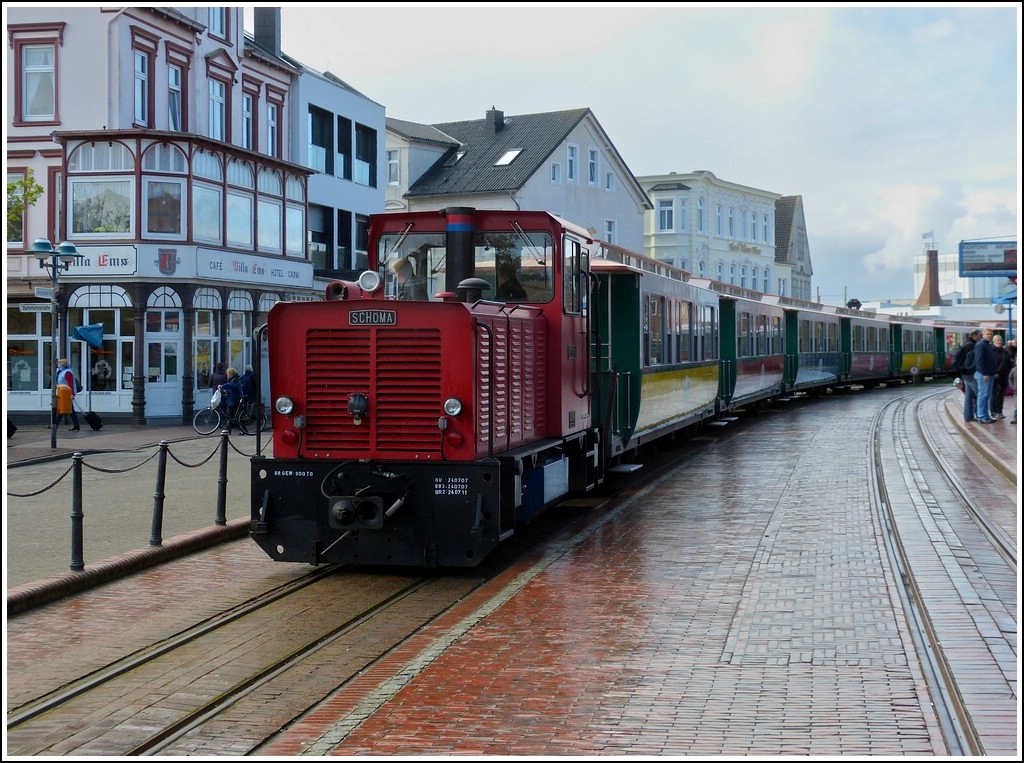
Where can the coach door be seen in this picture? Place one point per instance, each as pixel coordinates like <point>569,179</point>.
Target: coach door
<point>163,366</point>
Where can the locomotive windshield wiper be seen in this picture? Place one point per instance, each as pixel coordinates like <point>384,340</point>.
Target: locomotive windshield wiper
<point>398,242</point>
<point>529,242</point>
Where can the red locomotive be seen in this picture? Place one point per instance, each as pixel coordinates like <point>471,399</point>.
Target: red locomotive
<point>423,411</point>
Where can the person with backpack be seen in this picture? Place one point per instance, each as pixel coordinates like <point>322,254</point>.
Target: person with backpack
<point>985,374</point>
<point>67,386</point>
<point>960,361</point>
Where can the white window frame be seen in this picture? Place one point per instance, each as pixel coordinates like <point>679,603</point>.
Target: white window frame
<point>207,204</point>
<point>732,222</point>
<point>272,127</point>
<point>147,184</point>
<point>609,231</point>
<point>218,110</point>
<point>140,65</point>
<point>593,166</point>
<point>609,182</point>
<point>247,108</point>
<point>75,183</point>
<point>556,173</point>
<point>666,212</point>
<point>295,230</point>
<point>765,228</point>
<point>240,202</point>
<point>38,73</point>
<point>718,219</point>
<point>270,235</point>
<point>572,154</point>
<point>508,157</point>
<point>219,22</point>
<point>394,168</point>
<point>700,214</point>
<point>682,216</point>
<point>175,113</point>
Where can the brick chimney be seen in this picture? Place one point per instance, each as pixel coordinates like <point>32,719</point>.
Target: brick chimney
<point>496,118</point>
<point>266,23</point>
<point>930,288</point>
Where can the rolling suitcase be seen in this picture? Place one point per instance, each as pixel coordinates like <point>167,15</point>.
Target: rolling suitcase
<point>94,420</point>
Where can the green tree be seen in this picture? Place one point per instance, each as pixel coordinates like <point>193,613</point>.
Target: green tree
<point>21,194</point>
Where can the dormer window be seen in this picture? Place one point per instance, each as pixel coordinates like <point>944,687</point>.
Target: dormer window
<point>508,157</point>
<point>454,158</point>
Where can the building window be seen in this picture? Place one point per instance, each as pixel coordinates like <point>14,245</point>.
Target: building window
<point>556,173</point>
<point>16,222</point>
<point>700,214</point>
<point>718,219</point>
<point>247,121</point>
<point>38,83</point>
<point>174,98</point>
<point>767,276</point>
<point>593,168</point>
<point>343,155</point>
<point>273,134</point>
<point>141,87</point>
<point>609,231</point>
<point>295,231</point>
<point>609,181</point>
<point>732,223</point>
<point>393,174</point>
<point>720,271</point>
<point>101,207</point>
<point>164,213</point>
<point>218,110</point>
<point>219,22</point>
<point>319,153</point>
<point>240,219</point>
<point>508,157</point>
<point>571,158</point>
<point>665,210</point>
<point>682,215</point>
<point>764,229</point>
<point>206,213</point>
<point>366,156</point>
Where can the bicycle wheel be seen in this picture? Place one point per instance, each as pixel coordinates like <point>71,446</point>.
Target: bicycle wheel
<point>244,420</point>
<point>206,421</point>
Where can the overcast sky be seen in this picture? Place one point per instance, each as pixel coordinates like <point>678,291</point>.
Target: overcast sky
<point>889,121</point>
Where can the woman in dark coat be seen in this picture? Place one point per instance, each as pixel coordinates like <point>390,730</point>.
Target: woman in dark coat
<point>1002,377</point>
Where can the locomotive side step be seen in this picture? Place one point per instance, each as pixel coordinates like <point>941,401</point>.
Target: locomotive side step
<point>724,421</point>
<point>625,468</point>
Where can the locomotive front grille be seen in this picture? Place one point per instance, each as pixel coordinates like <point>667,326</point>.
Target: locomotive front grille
<point>398,370</point>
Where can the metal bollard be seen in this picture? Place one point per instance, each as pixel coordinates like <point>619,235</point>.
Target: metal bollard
<point>77,557</point>
<point>156,530</point>
<point>222,480</point>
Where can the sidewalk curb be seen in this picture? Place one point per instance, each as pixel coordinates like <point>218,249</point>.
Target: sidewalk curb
<point>36,594</point>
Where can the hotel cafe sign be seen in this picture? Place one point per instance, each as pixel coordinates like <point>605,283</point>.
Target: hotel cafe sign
<point>736,246</point>
<point>155,261</point>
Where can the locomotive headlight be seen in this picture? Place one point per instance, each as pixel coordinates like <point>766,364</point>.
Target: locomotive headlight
<point>369,280</point>
<point>453,406</point>
<point>284,405</point>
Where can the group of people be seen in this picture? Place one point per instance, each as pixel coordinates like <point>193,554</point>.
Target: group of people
<point>988,371</point>
<point>233,388</point>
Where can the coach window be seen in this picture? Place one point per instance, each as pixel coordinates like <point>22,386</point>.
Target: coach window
<point>833,337</point>
<point>684,331</point>
<point>654,330</point>
<point>742,335</point>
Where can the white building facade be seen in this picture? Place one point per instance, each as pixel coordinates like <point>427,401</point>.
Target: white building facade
<point>714,229</point>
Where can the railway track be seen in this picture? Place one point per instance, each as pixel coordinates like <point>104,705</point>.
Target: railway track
<point>936,530</point>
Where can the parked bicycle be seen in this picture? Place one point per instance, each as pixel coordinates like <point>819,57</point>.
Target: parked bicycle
<point>249,417</point>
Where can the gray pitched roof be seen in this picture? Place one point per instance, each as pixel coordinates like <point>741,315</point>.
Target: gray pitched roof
<point>418,132</point>
<point>785,209</point>
<point>484,141</point>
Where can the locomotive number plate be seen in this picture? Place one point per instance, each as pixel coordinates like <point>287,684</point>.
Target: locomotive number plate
<point>451,485</point>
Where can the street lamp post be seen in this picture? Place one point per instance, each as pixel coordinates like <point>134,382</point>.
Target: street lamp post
<point>59,259</point>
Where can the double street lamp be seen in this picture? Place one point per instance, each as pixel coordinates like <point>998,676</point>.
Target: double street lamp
<point>53,261</point>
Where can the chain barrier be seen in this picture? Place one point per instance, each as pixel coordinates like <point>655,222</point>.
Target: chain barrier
<point>118,471</point>
<point>40,492</point>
